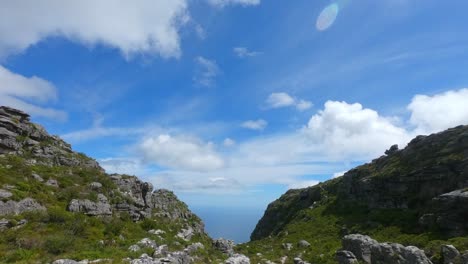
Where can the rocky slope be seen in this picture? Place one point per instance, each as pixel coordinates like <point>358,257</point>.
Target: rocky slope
<point>60,206</point>
<point>416,196</point>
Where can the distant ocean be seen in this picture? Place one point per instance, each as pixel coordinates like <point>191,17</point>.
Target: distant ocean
<point>231,223</point>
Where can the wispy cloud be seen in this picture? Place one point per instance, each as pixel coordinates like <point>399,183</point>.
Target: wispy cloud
<point>19,91</point>
<point>222,3</point>
<point>243,52</point>
<point>279,100</point>
<point>206,72</point>
<point>259,124</point>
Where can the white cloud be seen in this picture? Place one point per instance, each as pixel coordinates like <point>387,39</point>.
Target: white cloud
<point>222,3</point>
<point>206,71</point>
<point>229,142</point>
<point>133,27</point>
<point>243,52</point>
<point>344,130</point>
<point>130,166</point>
<point>259,124</point>
<point>441,111</point>
<point>303,105</point>
<point>180,153</point>
<point>338,174</point>
<point>279,100</point>
<point>302,184</point>
<point>18,91</point>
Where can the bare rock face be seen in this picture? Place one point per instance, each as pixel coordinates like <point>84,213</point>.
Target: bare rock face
<point>99,208</point>
<point>19,136</point>
<point>448,212</point>
<point>238,259</point>
<point>15,208</point>
<point>345,257</point>
<point>224,245</point>
<point>370,251</point>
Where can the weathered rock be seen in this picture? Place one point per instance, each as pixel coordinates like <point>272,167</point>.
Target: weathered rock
<point>18,136</point>
<point>464,257</point>
<point>238,259</point>
<point>25,205</point>
<point>37,177</point>
<point>303,244</point>
<point>99,208</point>
<point>5,224</point>
<point>147,243</point>
<point>195,247</point>
<point>224,245</point>
<point>134,248</point>
<point>370,251</point>
<point>345,257</point>
<point>161,251</point>
<point>449,212</point>
<point>186,233</point>
<point>287,246</point>
<point>450,254</point>
<point>95,185</point>
<point>156,232</point>
<point>52,182</point>
<point>298,260</point>
<point>65,261</point>
<point>5,194</point>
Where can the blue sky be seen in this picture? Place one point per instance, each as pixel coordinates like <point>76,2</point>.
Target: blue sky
<point>232,102</point>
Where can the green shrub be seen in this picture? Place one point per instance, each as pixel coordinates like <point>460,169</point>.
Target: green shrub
<point>58,244</point>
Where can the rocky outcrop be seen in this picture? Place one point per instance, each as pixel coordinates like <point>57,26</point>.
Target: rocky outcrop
<point>423,177</point>
<point>15,208</point>
<point>99,208</point>
<point>224,245</point>
<point>238,259</point>
<point>345,257</point>
<point>448,212</point>
<point>369,251</point>
<point>19,136</point>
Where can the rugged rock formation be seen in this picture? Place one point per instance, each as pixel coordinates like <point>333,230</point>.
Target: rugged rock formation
<point>430,175</point>
<point>19,136</point>
<point>25,205</point>
<point>99,208</point>
<point>369,251</point>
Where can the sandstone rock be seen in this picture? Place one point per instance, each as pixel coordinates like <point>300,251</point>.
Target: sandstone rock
<point>52,182</point>
<point>161,251</point>
<point>238,259</point>
<point>5,224</point>
<point>134,248</point>
<point>186,233</point>
<point>100,208</point>
<point>303,244</point>
<point>5,194</point>
<point>464,257</point>
<point>37,177</point>
<point>287,246</point>
<point>25,205</point>
<point>224,245</point>
<point>147,243</point>
<point>450,254</point>
<point>65,261</point>
<point>370,251</point>
<point>449,212</point>
<point>95,185</point>
<point>195,247</point>
<point>345,257</point>
<point>298,260</point>
<point>156,232</point>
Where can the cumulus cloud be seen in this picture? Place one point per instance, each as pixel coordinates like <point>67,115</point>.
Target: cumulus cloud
<point>222,3</point>
<point>206,71</point>
<point>133,27</point>
<point>18,91</point>
<point>180,153</point>
<point>343,130</point>
<point>338,174</point>
<point>279,100</point>
<point>229,142</point>
<point>302,184</point>
<point>130,166</point>
<point>441,111</point>
<point>259,124</point>
<point>243,52</point>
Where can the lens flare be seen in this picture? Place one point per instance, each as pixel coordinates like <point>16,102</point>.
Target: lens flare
<point>327,17</point>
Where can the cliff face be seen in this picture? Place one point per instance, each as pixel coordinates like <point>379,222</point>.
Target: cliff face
<point>429,176</point>
<point>414,200</point>
<point>57,203</point>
